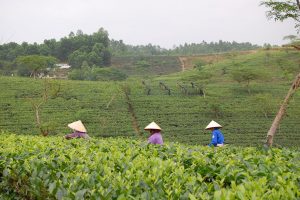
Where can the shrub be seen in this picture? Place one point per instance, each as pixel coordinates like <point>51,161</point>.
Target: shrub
<point>142,63</point>
<point>199,64</point>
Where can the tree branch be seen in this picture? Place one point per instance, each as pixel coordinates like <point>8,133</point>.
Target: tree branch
<point>298,4</point>
<point>296,47</point>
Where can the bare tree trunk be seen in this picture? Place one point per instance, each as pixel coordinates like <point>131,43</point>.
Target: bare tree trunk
<point>37,115</point>
<point>111,100</point>
<point>281,111</point>
<point>298,4</point>
<point>36,108</point>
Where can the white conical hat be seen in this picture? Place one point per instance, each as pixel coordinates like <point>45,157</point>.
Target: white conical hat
<point>213,124</point>
<point>152,125</point>
<point>78,126</point>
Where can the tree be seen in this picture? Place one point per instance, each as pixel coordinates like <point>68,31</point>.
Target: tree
<point>291,38</point>
<point>32,49</point>
<point>289,9</point>
<point>106,56</point>
<point>246,75</point>
<point>101,36</point>
<point>44,50</point>
<point>65,48</point>
<point>50,90</point>
<point>6,67</point>
<point>281,112</point>
<point>282,10</point>
<point>53,46</point>
<point>76,58</point>
<point>34,64</point>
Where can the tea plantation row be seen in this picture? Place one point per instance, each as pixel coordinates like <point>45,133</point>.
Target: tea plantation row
<point>35,167</point>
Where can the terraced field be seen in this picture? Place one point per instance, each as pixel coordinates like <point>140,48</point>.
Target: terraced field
<point>103,108</point>
<point>147,65</point>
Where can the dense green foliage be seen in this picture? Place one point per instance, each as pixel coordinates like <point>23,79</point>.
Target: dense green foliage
<point>182,113</point>
<point>74,49</point>
<point>52,168</point>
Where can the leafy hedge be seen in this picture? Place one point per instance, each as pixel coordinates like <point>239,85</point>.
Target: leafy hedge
<point>33,167</point>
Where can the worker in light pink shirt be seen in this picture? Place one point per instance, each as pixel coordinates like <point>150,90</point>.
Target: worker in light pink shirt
<point>155,137</point>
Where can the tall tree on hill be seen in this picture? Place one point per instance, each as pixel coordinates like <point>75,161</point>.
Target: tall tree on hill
<point>282,10</point>
<point>95,56</point>
<point>53,46</point>
<point>76,58</point>
<point>65,48</point>
<point>32,49</point>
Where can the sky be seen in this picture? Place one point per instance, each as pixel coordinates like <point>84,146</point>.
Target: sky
<point>139,22</point>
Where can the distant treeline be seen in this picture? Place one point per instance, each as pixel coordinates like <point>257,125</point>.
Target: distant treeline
<point>118,48</point>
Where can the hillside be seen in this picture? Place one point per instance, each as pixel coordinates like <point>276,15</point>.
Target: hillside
<point>182,114</point>
<point>163,65</point>
<point>146,65</point>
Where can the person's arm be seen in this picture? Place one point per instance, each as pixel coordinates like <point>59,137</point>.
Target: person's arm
<point>69,136</point>
<point>214,139</point>
<point>151,140</point>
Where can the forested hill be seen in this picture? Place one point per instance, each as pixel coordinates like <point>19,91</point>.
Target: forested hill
<point>73,49</point>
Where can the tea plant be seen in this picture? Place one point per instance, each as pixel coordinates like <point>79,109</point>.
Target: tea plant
<point>35,167</point>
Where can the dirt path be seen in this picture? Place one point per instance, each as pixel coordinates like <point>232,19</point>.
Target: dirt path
<point>182,60</point>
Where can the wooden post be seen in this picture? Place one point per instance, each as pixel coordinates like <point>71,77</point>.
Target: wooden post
<point>281,112</point>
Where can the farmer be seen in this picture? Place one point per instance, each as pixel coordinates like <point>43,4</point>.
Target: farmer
<point>155,136</point>
<point>79,131</point>
<point>217,138</point>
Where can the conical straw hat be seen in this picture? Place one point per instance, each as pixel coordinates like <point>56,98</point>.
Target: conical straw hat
<point>213,124</point>
<point>78,126</point>
<point>151,126</point>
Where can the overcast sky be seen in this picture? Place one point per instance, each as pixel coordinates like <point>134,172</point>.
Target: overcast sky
<point>160,22</point>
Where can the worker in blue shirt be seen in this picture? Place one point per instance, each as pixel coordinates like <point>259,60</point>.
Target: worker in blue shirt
<point>217,138</point>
